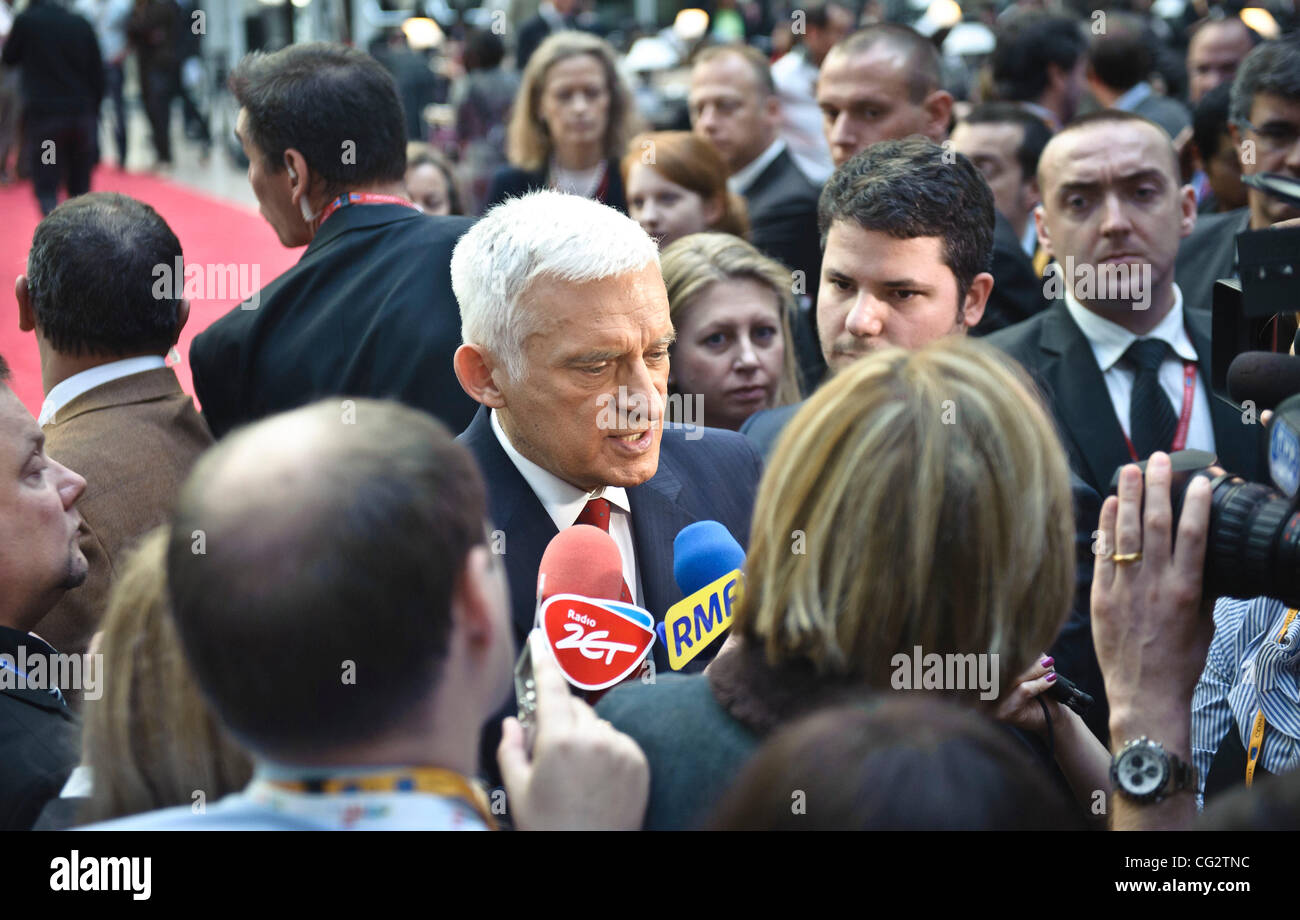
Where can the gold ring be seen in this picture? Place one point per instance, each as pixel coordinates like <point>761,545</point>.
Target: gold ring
<point>1122,558</point>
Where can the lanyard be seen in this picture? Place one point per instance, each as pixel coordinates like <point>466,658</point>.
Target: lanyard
<point>1184,417</point>
<point>1257,729</point>
<point>350,198</point>
<point>429,780</point>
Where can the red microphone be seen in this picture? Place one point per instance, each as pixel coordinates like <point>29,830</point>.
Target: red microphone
<point>581,560</point>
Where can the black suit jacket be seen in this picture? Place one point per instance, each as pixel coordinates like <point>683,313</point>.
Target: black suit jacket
<point>782,205</point>
<point>512,182</point>
<point>1054,350</point>
<point>1017,289</point>
<point>40,741</point>
<point>1210,253</point>
<point>714,477</point>
<point>367,311</point>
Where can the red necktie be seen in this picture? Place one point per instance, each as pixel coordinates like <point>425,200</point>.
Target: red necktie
<point>596,513</point>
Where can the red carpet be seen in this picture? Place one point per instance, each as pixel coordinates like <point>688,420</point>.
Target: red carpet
<point>212,232</point>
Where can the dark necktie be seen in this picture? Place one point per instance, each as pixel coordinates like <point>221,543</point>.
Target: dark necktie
<point>596,513</point>
<point>1151,416</point>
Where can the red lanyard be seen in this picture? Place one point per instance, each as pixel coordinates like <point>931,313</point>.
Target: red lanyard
<point>360,198</point>
<point>1184,417</point>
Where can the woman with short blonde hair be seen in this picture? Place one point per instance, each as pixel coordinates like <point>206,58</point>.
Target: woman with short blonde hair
<point>731,307</point>
<point>919,500</point>
<point>570,123</point>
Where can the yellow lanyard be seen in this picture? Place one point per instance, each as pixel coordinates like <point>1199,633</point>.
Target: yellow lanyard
<point>1257,730</point>
<point>429,780</point>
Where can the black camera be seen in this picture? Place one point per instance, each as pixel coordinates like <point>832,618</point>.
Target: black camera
<point>1253,545</point>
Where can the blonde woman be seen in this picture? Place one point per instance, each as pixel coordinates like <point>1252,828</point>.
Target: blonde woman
<point>570,123</point>
<point>918,500</point>
<point>731,307</point>
<point>151,741</point>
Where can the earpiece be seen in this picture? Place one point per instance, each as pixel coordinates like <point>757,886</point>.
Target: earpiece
<point>293,175</point>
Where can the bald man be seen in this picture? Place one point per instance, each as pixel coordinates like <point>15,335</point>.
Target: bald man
<point>1124,365</point>
<point>337,603</point>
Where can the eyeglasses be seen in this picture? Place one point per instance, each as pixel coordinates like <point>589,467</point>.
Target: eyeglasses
<point>1275,138</point>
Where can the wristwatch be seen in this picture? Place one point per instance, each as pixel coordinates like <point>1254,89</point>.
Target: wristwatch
<point>1143,771</point>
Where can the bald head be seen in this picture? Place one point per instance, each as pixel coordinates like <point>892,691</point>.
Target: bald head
<point>1065,142</point>
<point>1216,49</point>
<point>335,533</point>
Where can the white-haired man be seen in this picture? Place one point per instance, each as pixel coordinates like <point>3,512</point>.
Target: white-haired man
<point>566,328</point>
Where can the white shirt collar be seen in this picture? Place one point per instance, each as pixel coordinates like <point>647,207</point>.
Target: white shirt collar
<point>1110,340</point>
<point>744,177</point>
<point>562,501</point>
<point>65,391</point>
<point>1132,97</point>
<point>1044,113</point>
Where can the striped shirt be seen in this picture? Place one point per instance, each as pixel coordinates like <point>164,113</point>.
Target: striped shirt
<point>1249,669</point>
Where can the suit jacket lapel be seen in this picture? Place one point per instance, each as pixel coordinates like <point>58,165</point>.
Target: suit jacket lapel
<point>518,513</point>
<point>1081,399</point>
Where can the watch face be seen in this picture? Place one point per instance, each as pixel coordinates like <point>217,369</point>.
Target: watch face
<point>1141,771</point>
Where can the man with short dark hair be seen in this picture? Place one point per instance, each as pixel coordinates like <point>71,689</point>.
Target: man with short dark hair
<point>1218,163</point>
<point>1004,141</point>
<point>368,309</point>
<point>336,600</point>
<point>1118,353</point>
<point>1041,61</point>
<point>39,561</point>
<point>1264,120</point>
<point>884,82</point>
<point>1119,63</point>
<point>113,409</point>
<point>897,268</point>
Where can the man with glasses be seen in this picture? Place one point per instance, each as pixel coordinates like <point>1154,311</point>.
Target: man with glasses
<point>1264,121</point>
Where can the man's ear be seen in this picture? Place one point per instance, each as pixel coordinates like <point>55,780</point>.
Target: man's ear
<point>772,111</point>
<point>471,605</point>
<point>476,370</point>
<point>297,174</point>
<point>26,318</point>
<point>182,317</point>
<point>977,297</point>
<point>1044,235</point>
<point>1187,223</point>
<point>938,111</point>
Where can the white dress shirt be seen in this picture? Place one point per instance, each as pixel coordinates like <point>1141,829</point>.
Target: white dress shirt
<point>801,120</point>
<point>564,502</point>
<point>1110,340</point>
<point>742,179</point>
<point>65,391</point>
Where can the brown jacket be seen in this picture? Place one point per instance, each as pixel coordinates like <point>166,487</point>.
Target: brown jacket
<point>134,439</point>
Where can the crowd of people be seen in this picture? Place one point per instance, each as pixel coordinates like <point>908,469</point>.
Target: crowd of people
<point>908,346</point>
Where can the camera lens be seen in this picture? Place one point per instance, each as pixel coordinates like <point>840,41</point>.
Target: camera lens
<point>1254,542</point>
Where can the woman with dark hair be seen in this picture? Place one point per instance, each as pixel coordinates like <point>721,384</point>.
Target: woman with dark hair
<point>570,124</point>
<point>893,763</point>
<point>430,181</point>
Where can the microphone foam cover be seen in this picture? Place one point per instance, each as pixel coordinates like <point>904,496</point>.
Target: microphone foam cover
<point>1263,377</point>
<point>702,553</point>
<point>582,560</point>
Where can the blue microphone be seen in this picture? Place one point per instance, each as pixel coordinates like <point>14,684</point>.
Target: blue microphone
<point>707,561</point>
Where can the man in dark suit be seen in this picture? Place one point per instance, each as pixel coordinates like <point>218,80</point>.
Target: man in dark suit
<point>884,83</point>
<point>113,410</point>
<point>368,310</point>
<point>552,16</point>
<point>62,86</point>
<point>1264,121</point>
<point>1119,63</point>
<point>734,105</point>
<point>39,560</point>
<point>1118,353</point>
<point>898,269</point>
<point>566,327</point>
